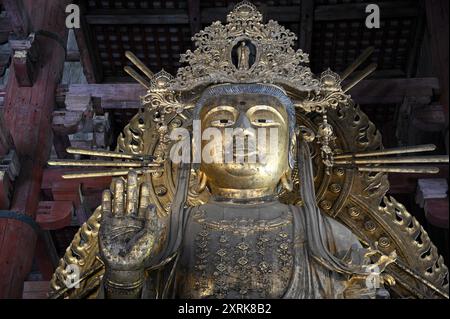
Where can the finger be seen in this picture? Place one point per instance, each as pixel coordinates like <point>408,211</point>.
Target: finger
<point>144,199</point>
<point>106,202</point>
<point>119,200</point>
<point>151,218</point>
<point>132,193</point>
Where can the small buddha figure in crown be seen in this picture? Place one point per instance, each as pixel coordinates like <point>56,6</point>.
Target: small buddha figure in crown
<point>243,56</point>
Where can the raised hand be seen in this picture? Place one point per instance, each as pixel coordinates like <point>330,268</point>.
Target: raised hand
<point>130,231</point>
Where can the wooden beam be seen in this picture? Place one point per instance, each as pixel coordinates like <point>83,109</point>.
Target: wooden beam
<point>392,91</point>
<point>107,96</point>
<point>84,194</point>
<point>54,175</point>
<point>68,190</point>
<point>378,91</point>
<point>54,215</point>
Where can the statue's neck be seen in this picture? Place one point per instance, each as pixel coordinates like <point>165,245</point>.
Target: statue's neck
<point>267,208</point>
<point>243,195</point>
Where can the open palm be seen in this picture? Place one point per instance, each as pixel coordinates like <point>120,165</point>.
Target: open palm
<point>130,228</point>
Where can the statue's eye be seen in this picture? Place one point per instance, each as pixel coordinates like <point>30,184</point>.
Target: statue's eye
<point>264,116</point>
<point>263,122</point>
<point>222,123</point>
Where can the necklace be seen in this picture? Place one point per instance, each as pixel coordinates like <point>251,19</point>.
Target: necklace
<point>243,226</point>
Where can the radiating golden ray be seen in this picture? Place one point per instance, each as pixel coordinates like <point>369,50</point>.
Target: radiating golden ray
<point>87,163</point>
<point>361,76</point>
<point>105,153</point>
<point>139,64</point>
<point>396,160</point>
<point>391,151</point>
<point>112,173</point>
<point>359,60</point>
<point>421,279</point>
<point>400,169</point>
<point>137,77</point>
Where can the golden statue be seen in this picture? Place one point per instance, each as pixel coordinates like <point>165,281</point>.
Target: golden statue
<point>243,56</point>
<point>284,201</point>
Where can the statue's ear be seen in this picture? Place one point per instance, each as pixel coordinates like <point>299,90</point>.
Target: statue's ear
<point>202,179</point>
<point>293,147</point>
<point>286,181</point>
<point>306,134</point>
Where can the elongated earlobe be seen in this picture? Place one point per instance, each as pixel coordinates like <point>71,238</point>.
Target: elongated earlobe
<point>201,181</point>
<point>293,148</point>
<point>286,181</point>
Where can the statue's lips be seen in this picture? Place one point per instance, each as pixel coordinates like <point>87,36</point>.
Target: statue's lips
<point>244,152</point>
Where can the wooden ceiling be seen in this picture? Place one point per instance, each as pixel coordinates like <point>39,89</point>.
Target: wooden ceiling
<point>332,31</point>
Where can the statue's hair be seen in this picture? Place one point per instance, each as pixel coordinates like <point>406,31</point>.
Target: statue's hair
<point>261,89</point>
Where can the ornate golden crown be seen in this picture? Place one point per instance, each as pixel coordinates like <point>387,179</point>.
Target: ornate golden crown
<point>245,50</point>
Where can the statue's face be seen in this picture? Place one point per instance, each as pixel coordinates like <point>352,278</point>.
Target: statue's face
<point>256,157</point>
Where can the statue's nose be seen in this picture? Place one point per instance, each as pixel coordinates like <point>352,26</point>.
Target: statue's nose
<point>244,124</point>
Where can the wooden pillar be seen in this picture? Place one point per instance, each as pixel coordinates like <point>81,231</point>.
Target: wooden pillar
<point>437,20</point>
<point>27,115</point>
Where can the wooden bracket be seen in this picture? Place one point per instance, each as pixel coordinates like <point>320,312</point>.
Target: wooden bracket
<point>25,58</point>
